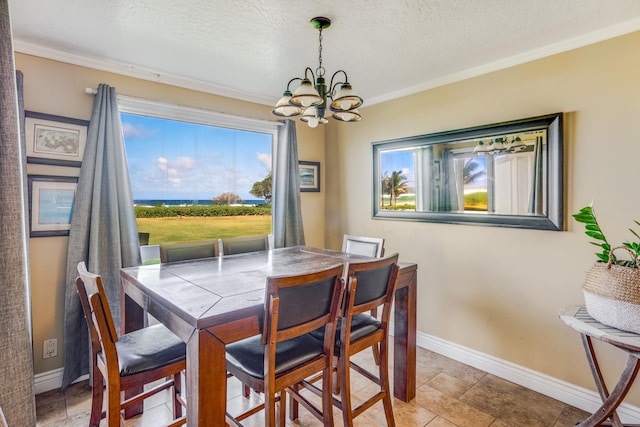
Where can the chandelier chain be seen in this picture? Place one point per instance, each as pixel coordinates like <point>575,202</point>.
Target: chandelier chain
<point>320,70</point>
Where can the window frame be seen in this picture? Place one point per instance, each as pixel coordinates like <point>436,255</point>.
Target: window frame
<point>161,110</point>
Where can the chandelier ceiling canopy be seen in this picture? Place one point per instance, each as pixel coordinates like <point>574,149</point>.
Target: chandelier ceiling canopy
<point>309,100</point>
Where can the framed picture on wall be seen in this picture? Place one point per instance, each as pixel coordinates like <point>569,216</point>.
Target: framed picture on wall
<point>55,140</point>
<point>309,176</point>
<point>51,201</point>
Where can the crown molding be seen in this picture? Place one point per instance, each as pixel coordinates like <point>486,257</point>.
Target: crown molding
<point>202,86</point>
<point>137,72</point>
<point>532,55</point>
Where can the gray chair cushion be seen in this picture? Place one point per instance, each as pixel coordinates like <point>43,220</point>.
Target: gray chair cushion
<point>248,355</point>
<point>148,348</point>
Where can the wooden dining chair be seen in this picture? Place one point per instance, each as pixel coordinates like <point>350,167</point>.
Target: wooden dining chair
<point>127,362</point>
<point>362,245</point>
<point>182,251</point>
<point>243,244</point>
<point>370,284</point>
<point>365,246</point>
<point>240,245</point>
<point>285,352</point>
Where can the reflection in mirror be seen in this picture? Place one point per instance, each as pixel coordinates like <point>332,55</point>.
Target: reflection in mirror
<point>507,174</point>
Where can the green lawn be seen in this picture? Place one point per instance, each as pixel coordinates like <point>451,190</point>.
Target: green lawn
<point>176,229</point>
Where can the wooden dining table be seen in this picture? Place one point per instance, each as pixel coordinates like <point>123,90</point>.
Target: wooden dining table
<point>212,302</point>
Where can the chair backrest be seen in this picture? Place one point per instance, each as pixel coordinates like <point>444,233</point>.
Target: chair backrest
<point>298,304</point>
<point>240,245</point>
<point>150,254</point>
<point>371,284</point>
<point>89,284</point>
<point>143,238</point>
<point>181,251</point>
<point>361,245</point>
<point>101,319</point>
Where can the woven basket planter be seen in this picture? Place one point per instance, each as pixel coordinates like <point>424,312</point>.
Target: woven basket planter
<point>612,293</point>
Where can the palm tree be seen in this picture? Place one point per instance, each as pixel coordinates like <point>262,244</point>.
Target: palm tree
<point>386,187</point>
<point>398,184</point>
<point>470,171</point>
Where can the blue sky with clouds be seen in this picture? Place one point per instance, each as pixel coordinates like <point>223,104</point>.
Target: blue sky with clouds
<point>178,160</point>
<point>400,160</point>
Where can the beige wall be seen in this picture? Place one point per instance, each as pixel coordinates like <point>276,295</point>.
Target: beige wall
<point>56,88</point>
<point>498,290</point>
<point>493,290</point>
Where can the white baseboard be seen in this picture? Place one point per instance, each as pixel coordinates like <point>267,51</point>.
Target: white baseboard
<point>51,380</point>
<point>570,394</point>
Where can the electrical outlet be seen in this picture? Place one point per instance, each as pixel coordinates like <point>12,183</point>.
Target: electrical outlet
<point>49,348</point>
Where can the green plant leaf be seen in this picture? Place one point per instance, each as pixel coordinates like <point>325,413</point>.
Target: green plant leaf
<point>596,235</point>
<point>584,217</point>
<point>603,257</point>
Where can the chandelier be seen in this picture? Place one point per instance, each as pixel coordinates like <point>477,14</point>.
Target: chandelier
<point>309,101</point>
<point>502,145</point>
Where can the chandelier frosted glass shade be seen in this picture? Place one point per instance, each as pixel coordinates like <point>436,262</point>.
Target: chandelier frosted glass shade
<point>306,95</point>
<point>345,99</point>
<point>347,116</point>
<point>284,108</point>
<point>313,96</point>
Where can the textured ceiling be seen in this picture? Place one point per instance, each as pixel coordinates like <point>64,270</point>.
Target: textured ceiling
<point>249,49</point>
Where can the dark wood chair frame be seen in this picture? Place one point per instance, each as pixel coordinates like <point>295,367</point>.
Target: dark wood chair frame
<point>379,337</point>
<point>105,366</point>
<point>272,334</point>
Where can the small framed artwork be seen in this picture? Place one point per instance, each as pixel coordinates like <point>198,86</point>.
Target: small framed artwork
<point>51,201</point>
<point>55,140</point>
<point>309,176</point>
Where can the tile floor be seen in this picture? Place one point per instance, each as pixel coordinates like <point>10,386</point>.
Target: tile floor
<point>449,394</point>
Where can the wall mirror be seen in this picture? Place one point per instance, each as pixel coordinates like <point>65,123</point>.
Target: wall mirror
<point>506,174</point>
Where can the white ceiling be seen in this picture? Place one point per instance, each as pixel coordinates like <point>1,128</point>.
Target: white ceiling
<point>249,49</point>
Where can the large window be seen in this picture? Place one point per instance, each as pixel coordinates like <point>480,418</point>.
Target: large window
<point>197,174</point>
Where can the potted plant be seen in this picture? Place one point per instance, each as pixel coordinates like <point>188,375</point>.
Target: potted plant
<point>612,286</point>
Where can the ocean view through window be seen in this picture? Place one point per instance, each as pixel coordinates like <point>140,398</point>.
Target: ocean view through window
<point>193,179</point>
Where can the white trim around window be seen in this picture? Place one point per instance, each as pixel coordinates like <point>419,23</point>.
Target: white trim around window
<point>127,104</point>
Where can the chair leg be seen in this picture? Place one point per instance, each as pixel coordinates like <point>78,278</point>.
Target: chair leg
<point>345,390</point>
<point>384,383</point>
<point>113,406</point>
<point>269,409</point>
<point>327,396</point>
<point>282,410</point>
<point>97,394</point>
<point>177,390</point>
<point>245,390</point>
<point>293,404</point>
<point>376,354</point>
